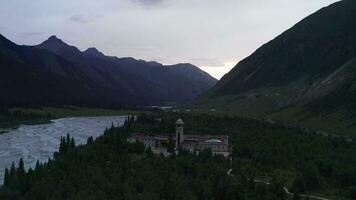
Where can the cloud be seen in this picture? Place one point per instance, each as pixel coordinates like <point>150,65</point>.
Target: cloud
<point>148,2</point>
<point>30,34</point>
<point>207,62</point>
<point>83,19</point>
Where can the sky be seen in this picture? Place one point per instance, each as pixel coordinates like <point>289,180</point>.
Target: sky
<point>211,34</point>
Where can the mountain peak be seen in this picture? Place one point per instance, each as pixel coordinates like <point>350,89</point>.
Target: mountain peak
<point>94,52</point>
<point>54,38</point>
<point>54,41</point>
<point>57,46</point>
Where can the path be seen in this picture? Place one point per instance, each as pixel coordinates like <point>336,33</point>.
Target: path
<point>284,188</point>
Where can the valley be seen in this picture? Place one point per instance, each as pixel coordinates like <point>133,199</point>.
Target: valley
<point>77,123</point>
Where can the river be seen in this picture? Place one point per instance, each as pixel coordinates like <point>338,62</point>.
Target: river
<point>39,142</point>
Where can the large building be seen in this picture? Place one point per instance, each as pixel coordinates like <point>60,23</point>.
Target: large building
<point>218,144</point>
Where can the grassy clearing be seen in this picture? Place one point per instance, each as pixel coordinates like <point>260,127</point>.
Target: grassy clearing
<point>266,107</point>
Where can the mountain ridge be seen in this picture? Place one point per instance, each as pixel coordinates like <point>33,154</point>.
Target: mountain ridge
<point>94,76</point>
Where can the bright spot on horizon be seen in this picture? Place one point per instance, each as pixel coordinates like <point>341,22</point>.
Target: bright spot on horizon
<point>219,72</point>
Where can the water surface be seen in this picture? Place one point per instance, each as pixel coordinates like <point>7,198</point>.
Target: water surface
<point>39,142</point>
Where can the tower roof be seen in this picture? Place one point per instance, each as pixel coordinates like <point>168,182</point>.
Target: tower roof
<point>179,122</point>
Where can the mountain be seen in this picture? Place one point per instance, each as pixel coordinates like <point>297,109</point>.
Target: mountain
<point>152,82</point>
<point>55,73</point>
<point>94,52</point>
<point>30,76</point>
<point>309,70</point>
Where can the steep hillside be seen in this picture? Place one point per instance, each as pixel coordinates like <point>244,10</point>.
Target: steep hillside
<point>312,49</point>
<point>307,72</point>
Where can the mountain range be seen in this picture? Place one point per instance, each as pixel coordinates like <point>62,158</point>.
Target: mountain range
<point>55,73</point>
<point>306,74</point>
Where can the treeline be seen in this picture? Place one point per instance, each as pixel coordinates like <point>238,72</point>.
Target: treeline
<point>16,178</point>
<point>12,118</point>
<point>111,168</point>
<point>301,159</point>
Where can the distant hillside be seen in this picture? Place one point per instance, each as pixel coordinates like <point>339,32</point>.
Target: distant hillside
<point>54,73</point>
<point>306,73</point>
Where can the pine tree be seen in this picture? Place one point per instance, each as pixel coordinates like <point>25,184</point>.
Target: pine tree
<point>68,142</point>
<point>90,140</point>
<point>21,168</point>
<point>62,145</point>
<point>12,171</point>
<point>72,144</point>
<point>12,178</point>
<point>37,167</point>
<point>21,175</point>
<point>6,177</point>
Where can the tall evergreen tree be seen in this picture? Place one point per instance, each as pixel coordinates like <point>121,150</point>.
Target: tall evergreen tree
<point>6,177</point>
<point>72,143</point>
<point>62,145</point>
<point>90,140</point>
<point>21,175</point>
<point>37,166</point>
<point>68,142</point>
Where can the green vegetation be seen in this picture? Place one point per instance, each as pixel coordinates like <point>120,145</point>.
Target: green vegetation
<point>111,168</point>
<point>12,119</point>
<point>268,106</point>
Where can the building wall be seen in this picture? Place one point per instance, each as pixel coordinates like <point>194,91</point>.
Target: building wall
<point>194,143</point>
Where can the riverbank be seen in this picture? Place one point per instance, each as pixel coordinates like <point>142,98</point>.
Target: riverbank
<point>12,120</point>
<point>73,111</point>
<point>15,117</point>
<point>39,142</point>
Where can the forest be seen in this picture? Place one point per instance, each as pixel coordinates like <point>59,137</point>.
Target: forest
<point>109,167</point>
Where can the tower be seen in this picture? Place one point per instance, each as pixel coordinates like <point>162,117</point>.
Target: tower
<point>179,133</point>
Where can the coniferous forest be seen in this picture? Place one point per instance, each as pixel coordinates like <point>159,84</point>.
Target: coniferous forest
<point>109,167</point>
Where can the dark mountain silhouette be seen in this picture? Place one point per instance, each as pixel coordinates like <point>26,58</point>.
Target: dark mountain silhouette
<point>94,52</point>
<point>54,73</point>
<point>30,76</point>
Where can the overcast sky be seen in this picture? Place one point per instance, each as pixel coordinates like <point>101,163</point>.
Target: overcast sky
<point>212,34</point>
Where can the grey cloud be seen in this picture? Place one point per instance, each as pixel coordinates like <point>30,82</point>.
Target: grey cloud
<point>148,2</point>
<point>82,19</point>
<point>30,34</point>
<point>208,62</point>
